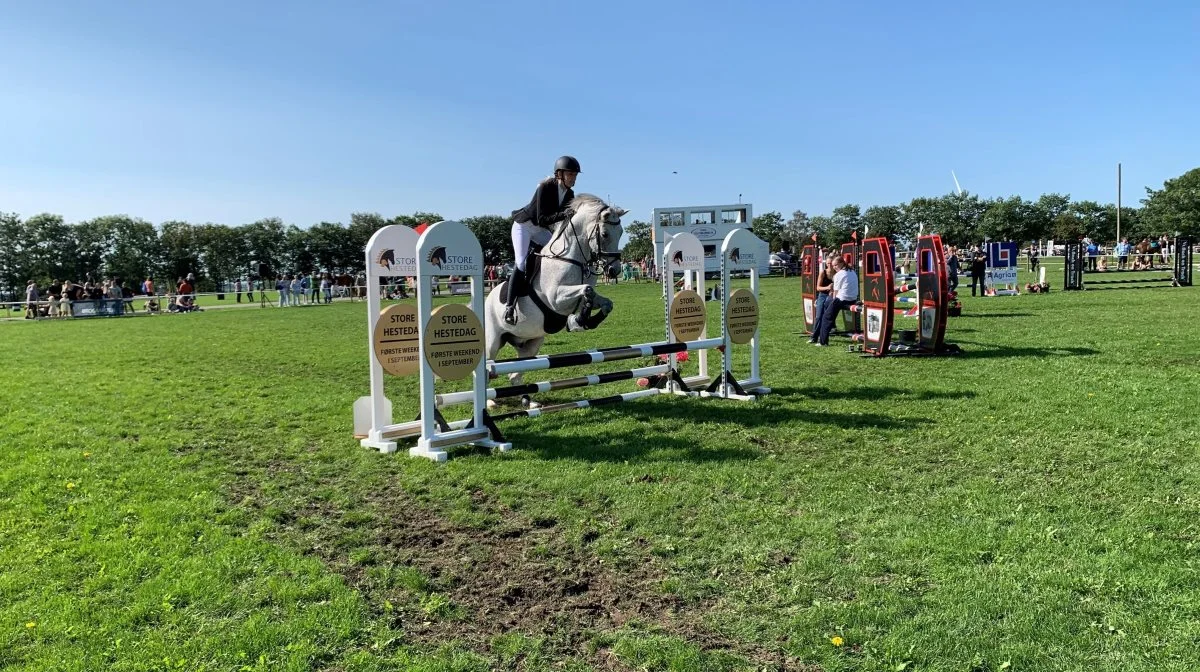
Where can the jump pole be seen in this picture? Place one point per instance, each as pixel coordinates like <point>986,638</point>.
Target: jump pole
<point>450,340</point>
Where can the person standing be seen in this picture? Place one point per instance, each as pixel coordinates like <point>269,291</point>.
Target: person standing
<point>824,287</point>
<point>953,266</point>
<point>31,300</point>
<point>843,295</point>
<point>978,271</point>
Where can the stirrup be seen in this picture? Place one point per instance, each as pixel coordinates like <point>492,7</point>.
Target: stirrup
<point>510,314</point>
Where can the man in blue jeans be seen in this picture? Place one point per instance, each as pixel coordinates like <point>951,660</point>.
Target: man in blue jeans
<point>844,294</point>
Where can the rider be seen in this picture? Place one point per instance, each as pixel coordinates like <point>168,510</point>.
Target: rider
<point>533,223</point>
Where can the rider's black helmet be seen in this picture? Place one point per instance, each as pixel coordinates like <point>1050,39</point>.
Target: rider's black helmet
<point>567,163</point>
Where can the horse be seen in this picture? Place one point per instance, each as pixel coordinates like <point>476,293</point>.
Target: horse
<point>582,247</point>
<point>351,285</point>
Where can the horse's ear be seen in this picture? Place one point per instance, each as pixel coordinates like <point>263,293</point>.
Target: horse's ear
<point>619,212</point>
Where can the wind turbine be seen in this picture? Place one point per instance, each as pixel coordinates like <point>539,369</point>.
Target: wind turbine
<point>956,185</point>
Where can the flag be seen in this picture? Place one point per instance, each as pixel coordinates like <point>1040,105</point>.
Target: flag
<point>854,235</point>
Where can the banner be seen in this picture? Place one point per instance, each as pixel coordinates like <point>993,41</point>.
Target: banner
<point>97,308</point>
<point>1002,255</point>
<point>1001,275</point>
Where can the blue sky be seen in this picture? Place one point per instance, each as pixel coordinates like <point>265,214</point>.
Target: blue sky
<point>232,111</point>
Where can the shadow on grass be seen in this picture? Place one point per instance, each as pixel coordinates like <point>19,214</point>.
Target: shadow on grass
<point>871,393</point>
<point>997,351</point>
<point>649,441</point>
<point>1094,288</point>
<point>993,315</point>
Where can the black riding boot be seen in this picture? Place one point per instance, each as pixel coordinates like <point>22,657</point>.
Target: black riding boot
<point>516,286</point>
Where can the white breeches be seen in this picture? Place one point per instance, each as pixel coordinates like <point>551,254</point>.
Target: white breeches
<point>522,234</point>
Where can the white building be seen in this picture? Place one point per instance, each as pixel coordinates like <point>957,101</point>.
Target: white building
<point>709,223</point>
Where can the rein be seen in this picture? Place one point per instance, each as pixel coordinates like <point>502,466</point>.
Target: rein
<point>589,266</point>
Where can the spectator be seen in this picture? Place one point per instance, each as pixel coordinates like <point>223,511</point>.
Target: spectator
<point>953,266</point>
<point>978,271</point>
<point>1092,251</point>
<point>327,288</point>
<point>824,287</point>
<point>282,285</point>
<point>1123,254</point>
<point>184,292</point>
<point>844,294</point>
<point>31,301</point>
<point>297,290</point>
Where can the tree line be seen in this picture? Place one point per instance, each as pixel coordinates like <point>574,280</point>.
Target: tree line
<point>965,218</point>
<point>44,247</point>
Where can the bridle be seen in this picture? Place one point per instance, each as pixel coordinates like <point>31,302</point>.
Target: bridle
<point>591,265</point>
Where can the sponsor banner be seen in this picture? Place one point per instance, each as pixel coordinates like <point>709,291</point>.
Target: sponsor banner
<point>684,252</point>
<point>392,252</point>
<point>449,248</point>
<point>97,308</point>
<point>1001,276</point>
<point>1002,255</point>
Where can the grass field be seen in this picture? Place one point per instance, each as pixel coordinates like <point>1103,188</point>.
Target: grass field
<point>182,493</point>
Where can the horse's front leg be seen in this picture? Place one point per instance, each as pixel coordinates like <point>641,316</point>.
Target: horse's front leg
<point>577,302</point>
<point>574,301</point>
<point>603,306</point>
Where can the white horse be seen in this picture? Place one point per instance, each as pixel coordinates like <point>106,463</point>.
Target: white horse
<point>581,248</point>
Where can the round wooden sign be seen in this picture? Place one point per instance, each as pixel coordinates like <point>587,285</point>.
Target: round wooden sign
<point>742,317</point>
<point>688,315</point>
<point>453,341</point>
<point>396,340</point>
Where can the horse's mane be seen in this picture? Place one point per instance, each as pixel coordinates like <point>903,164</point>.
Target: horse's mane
<point>584,201</point>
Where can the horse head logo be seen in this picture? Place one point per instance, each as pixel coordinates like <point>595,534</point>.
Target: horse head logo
<point>437,257</point>
<point>387,259</point>
<point>677,258</point>
<point>735,255</point>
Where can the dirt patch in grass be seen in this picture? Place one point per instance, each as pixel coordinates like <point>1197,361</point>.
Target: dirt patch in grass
<point>440,581</point>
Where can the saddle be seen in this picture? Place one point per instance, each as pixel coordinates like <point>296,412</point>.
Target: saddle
<point>552,322</point>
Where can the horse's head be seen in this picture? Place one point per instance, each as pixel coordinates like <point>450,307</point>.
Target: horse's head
<point>600,227</point>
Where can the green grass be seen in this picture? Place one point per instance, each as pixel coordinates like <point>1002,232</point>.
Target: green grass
<point>183,493</point>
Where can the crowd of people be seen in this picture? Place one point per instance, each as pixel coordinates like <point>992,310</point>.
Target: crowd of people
<point>299,289</point>
<point>111,296</point>
<point>1146,255</point>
